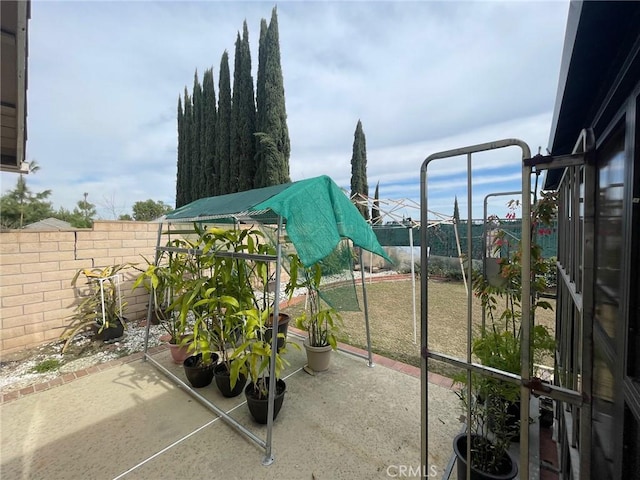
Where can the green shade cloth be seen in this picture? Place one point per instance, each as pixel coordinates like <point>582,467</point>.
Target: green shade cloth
<point>316,211</point>
<point>230,208</point>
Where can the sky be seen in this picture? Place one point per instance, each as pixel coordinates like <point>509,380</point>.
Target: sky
<point>422,76</point>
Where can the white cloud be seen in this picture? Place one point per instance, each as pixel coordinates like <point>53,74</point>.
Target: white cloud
<point>104,80</point>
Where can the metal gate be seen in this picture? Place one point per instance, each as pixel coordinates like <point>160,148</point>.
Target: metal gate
<point>573,395</point>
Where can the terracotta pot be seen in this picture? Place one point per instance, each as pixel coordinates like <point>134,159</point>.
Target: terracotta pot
<point>179,353</point>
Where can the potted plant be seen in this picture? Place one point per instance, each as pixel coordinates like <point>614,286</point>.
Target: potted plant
<point>217,286</point>
<point>321,324</point>
<point>489,433</point>
<point>102,309</point>
<point>253,359</point>
<point>213,330</point>
<point>498,345</point>
<point>166,280</point>
<point>159,280</point>
<point>495,405</point>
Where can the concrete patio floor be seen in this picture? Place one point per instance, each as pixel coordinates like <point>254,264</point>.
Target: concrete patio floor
<point>132,422</point>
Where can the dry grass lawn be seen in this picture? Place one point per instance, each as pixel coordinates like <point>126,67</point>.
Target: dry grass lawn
<point>391,320</point>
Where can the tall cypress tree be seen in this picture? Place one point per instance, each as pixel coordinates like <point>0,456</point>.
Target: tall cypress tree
<point>187,119</point>
<point>223,124</point>
<point>243,114</point>
<point>197,166</point>
<point>273,116</point>
<point>260,81</point>
<point>236,112</point>
<point>359,168</point>
<point>180,163</point>
<point>375,209</point>
<point>209,153</point>
<point>456,210</point>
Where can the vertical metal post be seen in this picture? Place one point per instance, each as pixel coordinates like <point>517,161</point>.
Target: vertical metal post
<point>413,286</point>
<point>588,281</point>
<point>268,456</point>
<point>366,311</point>
<point>525,325</point>
<point>469,310</point>
<point>424,259</point>
<point>150,305</point>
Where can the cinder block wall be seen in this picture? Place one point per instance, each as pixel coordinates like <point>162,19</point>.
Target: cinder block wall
<point>36,268</point>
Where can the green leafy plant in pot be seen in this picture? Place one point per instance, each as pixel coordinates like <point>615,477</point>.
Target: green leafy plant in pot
<point>321,324</point>
<point>166,280</point>
<point>490,434</point>
<point>102,308</point>
<point>216,330</point>
<point>253,359</point>
<point>494,404</point>
<point>499,344</point>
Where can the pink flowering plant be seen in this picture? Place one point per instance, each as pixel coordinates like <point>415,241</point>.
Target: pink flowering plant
<point>499,342</point>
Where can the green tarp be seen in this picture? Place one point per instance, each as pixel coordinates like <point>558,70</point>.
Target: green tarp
<point>316,211</point>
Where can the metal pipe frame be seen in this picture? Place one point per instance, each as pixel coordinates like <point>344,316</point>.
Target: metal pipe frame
<point>268,458</point>
<point>525,324</point>
<point>545,390</point>
<point>366,312</point>
<point>221,413</point>
<point>468,151</point>
<point>413,286</point>
<point>150,304</point>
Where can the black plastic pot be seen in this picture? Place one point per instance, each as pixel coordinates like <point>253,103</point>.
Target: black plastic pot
<point>283,327</point>
<point>199,375</point>
<point>259,406</point>
<point>113,331</point>
<point>508,470</point>
<point>223,381</point>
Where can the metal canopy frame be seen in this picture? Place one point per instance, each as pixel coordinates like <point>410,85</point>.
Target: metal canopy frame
<point>572,396</point>
<point>391,209</point>
<point>265,444</point>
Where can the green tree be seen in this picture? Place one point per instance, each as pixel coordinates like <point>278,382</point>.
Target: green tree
<point>223,124</point>
<point>243,117</point>
<point>82,215</point>
<point>87,212</point>
<point>197,178</point>
<point>20,206</point>
<point>456,210</point>
<point>187,140</point>
<point>209,154</point>
<point>260,81</point>
<point>272,118</point>
<point>375,209</point>
<point>270,153</point>
<point>145,211</point>
<point>180,170</point>
<point>126,217</point>
<point>359,168</point>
